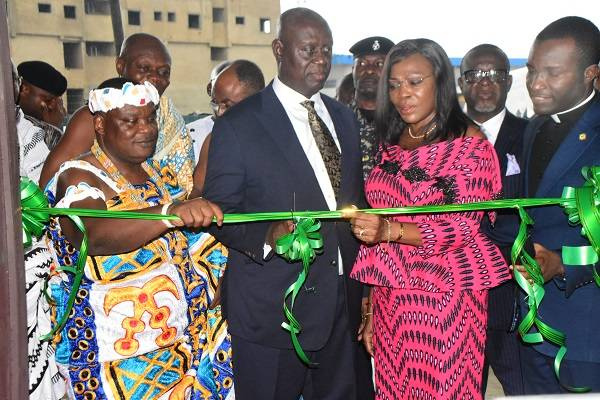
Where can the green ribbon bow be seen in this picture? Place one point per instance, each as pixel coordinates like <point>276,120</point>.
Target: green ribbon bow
<point>584,211</point>
<point>305,242</point>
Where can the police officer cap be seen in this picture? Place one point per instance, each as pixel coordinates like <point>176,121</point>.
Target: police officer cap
<point>43,76</point>
<point>371,45</point>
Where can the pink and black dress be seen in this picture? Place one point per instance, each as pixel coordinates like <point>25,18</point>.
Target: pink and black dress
<point>430,301</point>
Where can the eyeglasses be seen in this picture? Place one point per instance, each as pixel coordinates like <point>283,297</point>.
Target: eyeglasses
<point>476,75</point>
<point>224,105</point>
<point>412,82</point>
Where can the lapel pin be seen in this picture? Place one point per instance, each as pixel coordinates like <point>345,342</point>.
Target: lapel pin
<point>582,137</point>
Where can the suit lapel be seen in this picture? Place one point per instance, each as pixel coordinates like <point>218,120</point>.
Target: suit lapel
<point>508,142</point>
<point>503,145</point>
<point>571,149</point>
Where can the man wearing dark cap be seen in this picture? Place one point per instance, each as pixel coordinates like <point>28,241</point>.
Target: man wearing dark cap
<point>41,92</point>
<point>369,55</point>
<point>36,138</point>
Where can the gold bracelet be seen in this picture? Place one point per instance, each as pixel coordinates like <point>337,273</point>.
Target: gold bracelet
<point>389,229</point>
<point>401,232</point>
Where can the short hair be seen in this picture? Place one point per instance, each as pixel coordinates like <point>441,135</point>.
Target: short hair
<point>585,34</point>
<point>249,74</point>
<point>145,39</point>
<point>485,48</point>
<point>288,20</point>
<point>450,121</point>
<point>218,69</point>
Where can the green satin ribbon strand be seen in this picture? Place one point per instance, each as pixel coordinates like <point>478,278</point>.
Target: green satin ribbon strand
<point>78,272</point>
<point>284,215</point>
<point>534,294</point>
<point>303,244</point>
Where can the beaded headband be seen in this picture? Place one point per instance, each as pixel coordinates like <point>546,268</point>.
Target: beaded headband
<point>109,98</point>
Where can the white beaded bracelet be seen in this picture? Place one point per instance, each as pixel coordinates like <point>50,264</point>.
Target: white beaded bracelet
<point>164,211</point>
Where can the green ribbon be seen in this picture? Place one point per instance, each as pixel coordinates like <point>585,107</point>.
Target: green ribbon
<point>303,244</point>
<point>34,222</point>
<point>580,204</point>
<point>35,216</point>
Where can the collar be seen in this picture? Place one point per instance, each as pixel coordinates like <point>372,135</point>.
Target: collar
<point>290,97</point>
<point>555,117</point>
<point>491,127</point>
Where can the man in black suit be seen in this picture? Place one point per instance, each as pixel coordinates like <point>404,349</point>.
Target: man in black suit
<point>290,148</point>
<point>485,81</point>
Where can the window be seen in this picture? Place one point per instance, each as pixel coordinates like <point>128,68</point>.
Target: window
<point>218,14</point>
<point>193,21</point>
<point>218,53</point>
<point>133,17</point>
<point>171,16</point>
<point>97,7</point>
<point>240,20</point>
<point>44,8</point>
<point>157,16</point>
<point>99,49</point>
<point>265,25</point>
<point>70,12</point>
<point>74,100</point>
<point>72,55</point>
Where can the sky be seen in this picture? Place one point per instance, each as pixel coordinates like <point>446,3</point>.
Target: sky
<point>456,25</point>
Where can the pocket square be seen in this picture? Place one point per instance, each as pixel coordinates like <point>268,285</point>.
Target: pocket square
<point>512,166</point>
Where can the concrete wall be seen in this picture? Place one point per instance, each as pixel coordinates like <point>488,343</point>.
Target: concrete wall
<point>40,36</point>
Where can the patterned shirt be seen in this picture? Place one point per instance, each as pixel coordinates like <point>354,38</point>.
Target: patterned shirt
<point>33,145</point>
<point>368,140</point>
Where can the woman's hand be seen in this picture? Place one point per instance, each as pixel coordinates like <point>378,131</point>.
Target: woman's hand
<point>368,228</point>
<point>366,334</point>
<point>196,213</point>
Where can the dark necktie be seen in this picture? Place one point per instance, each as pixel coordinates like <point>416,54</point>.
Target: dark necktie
<point>326,145</point>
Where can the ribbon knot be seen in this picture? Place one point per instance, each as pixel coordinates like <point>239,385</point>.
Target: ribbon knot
<point>34,222</point>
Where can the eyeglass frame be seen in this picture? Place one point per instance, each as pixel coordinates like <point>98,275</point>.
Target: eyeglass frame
<point>412,82</point>
<point>491,74</point>
<point>215,107</point>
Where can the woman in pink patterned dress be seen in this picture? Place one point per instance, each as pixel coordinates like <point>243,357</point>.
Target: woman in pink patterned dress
<point>430,273</point>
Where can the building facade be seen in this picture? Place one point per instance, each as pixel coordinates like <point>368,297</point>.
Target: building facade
<point>76,37</point>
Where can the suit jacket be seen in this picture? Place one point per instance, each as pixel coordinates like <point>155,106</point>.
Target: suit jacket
<point>502,300</point>
<point>256,164</point>
<point>573,304</point>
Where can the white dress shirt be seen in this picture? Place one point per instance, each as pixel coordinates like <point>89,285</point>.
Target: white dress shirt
<point>298,115</point>
<point>491,127</point>
<point>199,130</point>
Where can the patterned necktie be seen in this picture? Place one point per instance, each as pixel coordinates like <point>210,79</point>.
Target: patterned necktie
<point>326,145</point>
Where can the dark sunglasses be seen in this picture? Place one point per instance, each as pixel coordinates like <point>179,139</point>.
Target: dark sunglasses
<point>476,75</point>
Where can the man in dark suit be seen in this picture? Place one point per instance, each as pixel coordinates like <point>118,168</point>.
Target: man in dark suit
<point>563,138</point>
<point>290,148</point>
<point>485,81</point>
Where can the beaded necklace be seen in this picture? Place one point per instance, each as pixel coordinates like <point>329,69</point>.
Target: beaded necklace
<point>122,182</point>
